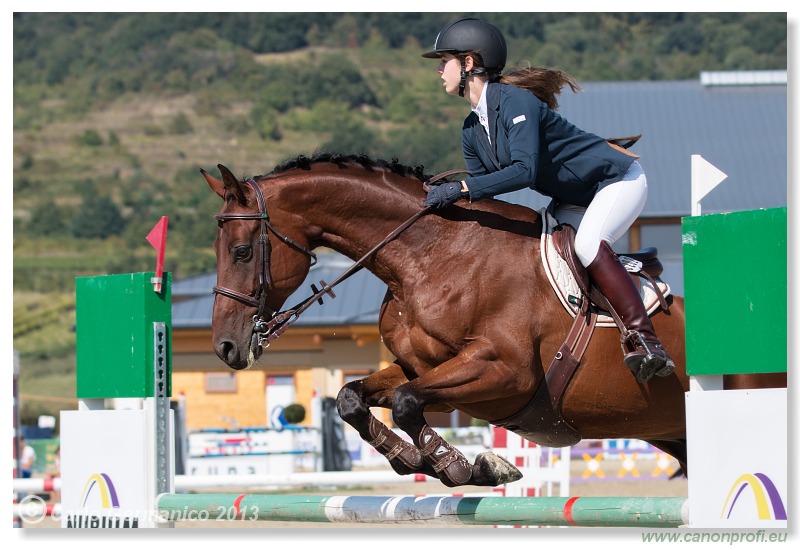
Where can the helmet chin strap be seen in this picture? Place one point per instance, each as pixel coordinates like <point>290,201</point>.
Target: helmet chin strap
<point>464,74</point>
<point>463,84</point>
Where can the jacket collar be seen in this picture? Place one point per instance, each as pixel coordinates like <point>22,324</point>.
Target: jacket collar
<point>492,92</point>
<point>493,108</point>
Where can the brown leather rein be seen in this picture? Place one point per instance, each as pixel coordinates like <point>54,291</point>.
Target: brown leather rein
<point>270,330</point>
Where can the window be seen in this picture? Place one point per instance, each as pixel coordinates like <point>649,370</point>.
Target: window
<point>280,380</point>
<point>221,382</point>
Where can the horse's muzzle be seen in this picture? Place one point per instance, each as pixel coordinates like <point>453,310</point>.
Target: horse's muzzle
<point>239,357</point>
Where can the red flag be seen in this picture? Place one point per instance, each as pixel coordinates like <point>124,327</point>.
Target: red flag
<point>158,238</point>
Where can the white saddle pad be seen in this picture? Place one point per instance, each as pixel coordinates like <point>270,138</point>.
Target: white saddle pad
<point>565,285</point>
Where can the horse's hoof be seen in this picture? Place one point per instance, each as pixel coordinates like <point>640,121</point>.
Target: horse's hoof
<point>492,470</point>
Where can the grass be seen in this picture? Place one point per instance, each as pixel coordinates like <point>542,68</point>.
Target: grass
<point>45,339</point>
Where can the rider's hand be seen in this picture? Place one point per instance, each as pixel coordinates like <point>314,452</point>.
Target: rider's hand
<point>445,194</point>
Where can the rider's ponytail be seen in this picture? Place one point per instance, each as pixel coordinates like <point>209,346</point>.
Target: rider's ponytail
<point>543,82</point>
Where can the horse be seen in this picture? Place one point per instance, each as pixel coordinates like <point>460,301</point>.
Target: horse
<point>469,314</point>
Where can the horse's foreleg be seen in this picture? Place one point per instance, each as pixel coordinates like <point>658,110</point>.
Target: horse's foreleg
<point>449,465</point>
<point>353,404</point>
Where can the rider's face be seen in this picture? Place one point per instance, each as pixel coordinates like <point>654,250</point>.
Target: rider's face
<point>450,72</point>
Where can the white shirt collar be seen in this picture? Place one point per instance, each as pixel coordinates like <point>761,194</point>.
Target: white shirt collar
<point>483,112</point>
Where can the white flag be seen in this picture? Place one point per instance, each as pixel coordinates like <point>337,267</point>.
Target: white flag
<point>705,177</point>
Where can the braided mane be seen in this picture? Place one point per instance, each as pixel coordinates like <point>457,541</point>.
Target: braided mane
<point>302,162</point>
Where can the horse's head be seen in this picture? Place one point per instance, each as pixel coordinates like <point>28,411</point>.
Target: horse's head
<point>253,281</point>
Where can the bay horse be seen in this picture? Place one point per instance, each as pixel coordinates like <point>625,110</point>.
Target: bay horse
<point>468,314</point>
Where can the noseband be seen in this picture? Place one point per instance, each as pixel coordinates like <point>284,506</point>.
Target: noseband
<point>259,298</point>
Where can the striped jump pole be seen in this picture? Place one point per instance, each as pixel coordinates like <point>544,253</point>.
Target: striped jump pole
<point>544,511</point>
<point>35,510</point>
<point>296,479</point>
<point>36,484</point>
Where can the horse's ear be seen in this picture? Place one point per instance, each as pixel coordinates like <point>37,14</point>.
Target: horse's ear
<point>216,186</point>
<point>228,186</point>
<point>231,184</point>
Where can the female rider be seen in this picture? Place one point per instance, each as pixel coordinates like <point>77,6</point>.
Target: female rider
<point>515,139</point>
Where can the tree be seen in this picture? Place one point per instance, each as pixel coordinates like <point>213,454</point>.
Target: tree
<point>90,138</point>
<point>49,219</point>
<point>338,78</point>
<point>352,136</point>
<point>97,218</point>
<point>180,125</point>
<point>294,413</point>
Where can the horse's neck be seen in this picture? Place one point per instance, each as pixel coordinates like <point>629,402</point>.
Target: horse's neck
<point>350,214</point>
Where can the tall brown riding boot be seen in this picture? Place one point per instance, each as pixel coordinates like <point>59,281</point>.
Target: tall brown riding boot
<point>648,356</point>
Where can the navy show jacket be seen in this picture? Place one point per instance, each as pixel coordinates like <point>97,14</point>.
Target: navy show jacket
<point>533,146</point>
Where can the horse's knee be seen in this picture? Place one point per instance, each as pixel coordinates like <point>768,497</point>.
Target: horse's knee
<point>350,403</point>
<point>407,407</point>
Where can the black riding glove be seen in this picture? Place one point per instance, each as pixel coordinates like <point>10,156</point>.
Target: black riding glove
<point>445,194</point>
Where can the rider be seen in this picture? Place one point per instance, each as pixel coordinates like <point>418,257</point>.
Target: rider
<point>514,139</point>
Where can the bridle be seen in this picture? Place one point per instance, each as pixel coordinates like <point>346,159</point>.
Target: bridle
<point>270,330</point>
<point>259,298</point>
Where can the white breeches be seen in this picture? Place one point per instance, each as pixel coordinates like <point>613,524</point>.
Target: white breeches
<point>612,211</point>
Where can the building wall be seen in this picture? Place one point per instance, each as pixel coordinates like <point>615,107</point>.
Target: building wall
<point>204,409</point>
<point>318,362</point>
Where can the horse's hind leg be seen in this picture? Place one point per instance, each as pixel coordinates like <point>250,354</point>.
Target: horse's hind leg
<point>353,404</point>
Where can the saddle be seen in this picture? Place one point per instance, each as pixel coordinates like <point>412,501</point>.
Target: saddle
<point>541,420</point>
<point>623,144</point>
<point>643,264</point>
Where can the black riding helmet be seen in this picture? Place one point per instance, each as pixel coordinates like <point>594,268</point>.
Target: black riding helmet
<point>472,35</point>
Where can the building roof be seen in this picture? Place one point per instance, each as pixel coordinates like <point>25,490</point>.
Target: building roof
<point>358,297</point>
<point>736,121</point>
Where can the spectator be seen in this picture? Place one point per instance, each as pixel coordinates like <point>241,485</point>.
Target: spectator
<point>28,458</point>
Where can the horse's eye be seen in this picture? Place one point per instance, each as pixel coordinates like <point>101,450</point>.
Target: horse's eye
<point>242,253</point>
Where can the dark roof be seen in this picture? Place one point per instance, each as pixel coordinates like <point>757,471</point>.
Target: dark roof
<point>358,297</point>
<point>740,129</point>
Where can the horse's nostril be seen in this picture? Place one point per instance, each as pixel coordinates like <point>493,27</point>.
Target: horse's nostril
<point>226,350</point>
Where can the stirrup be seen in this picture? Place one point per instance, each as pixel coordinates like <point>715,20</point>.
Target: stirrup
<point>647,359</point>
